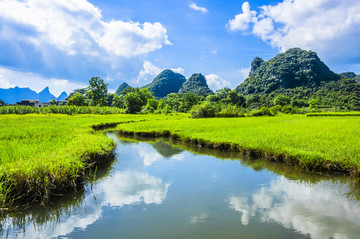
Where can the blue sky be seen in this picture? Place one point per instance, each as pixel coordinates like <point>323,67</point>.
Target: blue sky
<point>62,44</point>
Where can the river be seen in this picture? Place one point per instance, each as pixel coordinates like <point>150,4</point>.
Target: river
<point>155,189</point>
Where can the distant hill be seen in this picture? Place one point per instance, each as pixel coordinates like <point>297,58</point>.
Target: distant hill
<point>289,70</point>
<point>45,95</point>
<point>350,75</point>
<point>62,96</point>
<point>165,83</point>
<point>196,84</point>
<point>16,94</point>
<point>122,87</point>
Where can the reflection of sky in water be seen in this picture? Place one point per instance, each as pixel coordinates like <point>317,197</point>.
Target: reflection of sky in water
<point>317,210</point>
<point>155,190</point>
<point>123,188</point>
<point>118,190</point>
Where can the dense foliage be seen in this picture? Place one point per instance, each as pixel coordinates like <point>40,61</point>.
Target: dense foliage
<point>165,83</point>
<point>97,92</point>
<point>122,87</point>
<point>77,99</point>
<point>294,68</point>
<point>68,110</point>
<point>196,84</point>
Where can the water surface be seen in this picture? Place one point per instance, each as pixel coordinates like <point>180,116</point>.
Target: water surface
<point>156,190</point>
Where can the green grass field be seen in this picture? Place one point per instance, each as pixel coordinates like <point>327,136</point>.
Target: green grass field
<point>313,143</point>
<point>42,155</point>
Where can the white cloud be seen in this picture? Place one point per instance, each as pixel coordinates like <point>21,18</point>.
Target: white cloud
<point>76,27</point>
<point>198,219</point>
<point>132,187</point>
<point>148,72</point>
<point>244,73</point>
<point>331,28</point>
<point>10,78</point>
<point>242,20</point>
<point>4,83</point>
<point>178,70</point>
<point>304,208</point>
<point>197,8</point>
<point>215,82</point>
<point>149,155</point>
<point>214,52</point>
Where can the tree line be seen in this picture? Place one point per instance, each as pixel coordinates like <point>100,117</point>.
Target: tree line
<point>335,96</point>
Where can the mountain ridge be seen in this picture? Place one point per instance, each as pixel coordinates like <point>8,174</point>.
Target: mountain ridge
<point>16,94</point>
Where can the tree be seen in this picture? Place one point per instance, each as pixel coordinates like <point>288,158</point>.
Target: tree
<point>77,99</point>
<point>119,101</point>
<point>97,91</point>
<point>2,103</point>
<point>313,104</point>
<point>81,91</point>
<point>282,100</point>
<point>133,103</point>
<point>53,102</point>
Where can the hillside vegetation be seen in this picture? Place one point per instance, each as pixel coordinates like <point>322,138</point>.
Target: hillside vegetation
<point>197,85</point>
<point>294,68</point>
<point>165,83</point>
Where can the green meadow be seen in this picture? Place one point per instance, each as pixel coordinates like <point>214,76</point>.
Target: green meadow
<point>312,143</point>
<point>42,155</point>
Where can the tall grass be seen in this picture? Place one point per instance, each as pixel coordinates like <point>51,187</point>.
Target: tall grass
<point>41,155</point>
<point>313,143</point>
<point>69,110</point>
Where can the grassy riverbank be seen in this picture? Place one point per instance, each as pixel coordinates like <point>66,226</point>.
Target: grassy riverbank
<point>312,143</point>
<point>43,155</point>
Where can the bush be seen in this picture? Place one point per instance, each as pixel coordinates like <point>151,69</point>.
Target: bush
<point>287,109</point>
<point>275,109</point>
<point>204,110</point>
<point>230,111</point>
<point>261,112</point>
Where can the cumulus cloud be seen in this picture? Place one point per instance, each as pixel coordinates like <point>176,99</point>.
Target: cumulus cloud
<point>71,40</point>
<point>301,207</point>
<point>197,8</point>
<point>242,20</point>
<point>10,78</point>
<point>329,27</point>
<point>178,70</point>
<point>4,83</point>
<point>215,82</point>
<point>149,71</point>
<point>77,27</point>
<point>244,73</point>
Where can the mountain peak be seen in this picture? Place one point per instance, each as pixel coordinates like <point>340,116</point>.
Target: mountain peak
<point>291,69</point>
<point>196,84</point>
<point>122,87</point>
<point>165,83</point>
<point>62,96</point>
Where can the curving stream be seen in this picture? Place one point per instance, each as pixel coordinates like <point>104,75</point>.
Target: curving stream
<point>156,190</point>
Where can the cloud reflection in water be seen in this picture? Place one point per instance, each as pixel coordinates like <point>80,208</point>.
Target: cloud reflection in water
<point>317,210</point>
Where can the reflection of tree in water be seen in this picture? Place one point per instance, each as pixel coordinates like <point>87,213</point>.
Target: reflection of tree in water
<point>13,222</point>
<point>166,149</point>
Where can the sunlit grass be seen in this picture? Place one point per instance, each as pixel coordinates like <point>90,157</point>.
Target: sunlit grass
<point>42,154</point>
<point>313,141</point>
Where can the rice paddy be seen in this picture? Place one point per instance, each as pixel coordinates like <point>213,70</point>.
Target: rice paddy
<point>44,155</point>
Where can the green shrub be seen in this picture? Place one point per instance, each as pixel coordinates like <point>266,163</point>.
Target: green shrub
<point>287,109</point>
<point>230,111</point>
<point>275,109</point>
<point>261,112</point>
<point>204,110</point>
